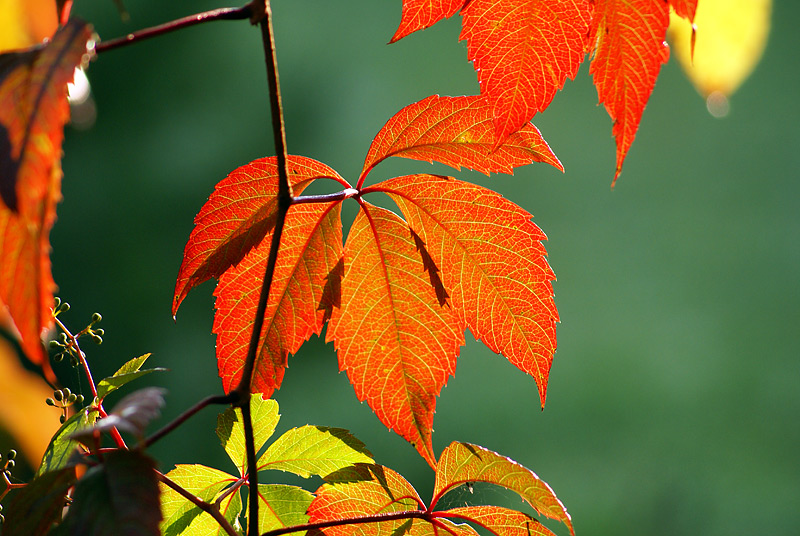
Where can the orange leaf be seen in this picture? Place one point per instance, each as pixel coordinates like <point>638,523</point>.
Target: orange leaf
<point>311,247</point>
<point>628,37</point>
<point>237,216</point>
<point>24,23</point>
<point>500,521</point>
<point>421,14</point>
<point>684,8</point>
<point>33,111</point>
<point>492,265</point>
<point>456,131</point>
<point>397,344</point>
<point>363,490</point>
<point>463,462</point>
<point>523,51</point>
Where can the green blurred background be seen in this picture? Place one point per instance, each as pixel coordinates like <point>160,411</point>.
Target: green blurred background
<point>673,404</point>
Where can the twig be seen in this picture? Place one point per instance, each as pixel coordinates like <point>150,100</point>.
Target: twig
<point>393,516</point>
<point>183,417</point>
<point>201,504</point>
<point>224,13</point>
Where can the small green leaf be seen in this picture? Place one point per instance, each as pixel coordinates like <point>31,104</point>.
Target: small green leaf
<point>314,450</point>
<point>61,446</point>
<point>39,504</point>
<point>463,462</point>
<point>118,496</point>
<point>230,428</point>
<point>282,506</point>
<point>184,518</point>
<point>127,372</point>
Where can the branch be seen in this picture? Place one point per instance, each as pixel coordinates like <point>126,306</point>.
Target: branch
<point>394,516</point>
<point>183,417</point>
<point>224,13</point>
<point>201,504</point>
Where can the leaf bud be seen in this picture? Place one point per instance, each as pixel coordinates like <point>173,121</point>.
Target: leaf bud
<point>64,307</point>
<point>12,454</point>
<point>66,391</point>
<point>58,358</point>
<point>99,331</point>
<point>62,338</point>
<point>50,402</point>
<point>10,464</point>
<point>54,344</point>
<point>97,339</point>
<point>97,317</point>
<point>72,398</point>
<point>62,418</point>
<point>58,395</point>
<point>79,399</point>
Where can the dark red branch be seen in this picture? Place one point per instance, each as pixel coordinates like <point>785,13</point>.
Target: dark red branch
<point>394,516</point>
<point>201,504</point>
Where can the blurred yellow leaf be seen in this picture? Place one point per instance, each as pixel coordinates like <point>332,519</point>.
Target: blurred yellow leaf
<point>26,22</point>
<point>23,412</point>
<point>731,36</point>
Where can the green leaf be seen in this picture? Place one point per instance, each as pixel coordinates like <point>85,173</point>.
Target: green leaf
<point>118,496</point>
<point>501,521</point>
<point>463,462</point>
<point>127,372</point>
<point>39,504</point>
<point>282,506</point>
<point>230,428</point>
<point>314,450</point>
<point>61,446</point>
<point>184,518</point>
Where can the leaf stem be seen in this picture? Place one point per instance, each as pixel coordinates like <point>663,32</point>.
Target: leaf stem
<point>224,13</point>
<point>393,516</point>
<point>201,504</point>
<point>325,198</point>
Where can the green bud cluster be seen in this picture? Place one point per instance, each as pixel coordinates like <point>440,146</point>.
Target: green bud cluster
<point>63,398</point>
<point>59,306</point>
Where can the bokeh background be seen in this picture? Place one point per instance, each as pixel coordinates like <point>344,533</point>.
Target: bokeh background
<point>674,399</point>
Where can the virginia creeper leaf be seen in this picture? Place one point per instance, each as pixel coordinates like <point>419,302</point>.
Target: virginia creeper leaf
<point>421,14</point>
<point>457,131</point>
<point>311,247</point>
<point>237,216</point>
<point>38,505</point>
<point>121,494</point>
<point>501,521</point>
<point>363,490</point>
<point>182,517</point>
<point>463,462</point>
<point>442,527</point>
<point>492,264</point>
<point>126,373</point>
<point>397,344</point>
<point>33,111</point>
<point>684,8</point>
<point>282,506</point>
<point>314,450</point>
<point>63,443</point>
<point>523,51</point>
<point>628,39</point>
<point>230,429</point>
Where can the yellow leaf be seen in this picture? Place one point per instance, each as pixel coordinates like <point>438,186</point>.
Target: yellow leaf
<point>26,22</point>
<point>731,36</point>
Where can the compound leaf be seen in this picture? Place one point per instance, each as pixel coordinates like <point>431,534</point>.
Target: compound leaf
<point>230,429</point>
<point>492,262</point>
<point>457,131</point>
<point>396,341</point>
<point>282,506</point>
<point>523,51</point>
<point>183,517</point>
<point>462,462</point>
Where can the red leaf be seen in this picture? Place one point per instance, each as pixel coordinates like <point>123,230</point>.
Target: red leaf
<point>421,14</point>
<point>500,521</point>
<point>523,51</point>
<point>628,36</point>
<point>33,111</point>
<point>237,216</point>
<point>456,131</point>
<point>364,490</point>
<point>492,265</point>
<point>397,344</point>
<point>311,247</point>
<point>463,462</point>
<point>684,8</point>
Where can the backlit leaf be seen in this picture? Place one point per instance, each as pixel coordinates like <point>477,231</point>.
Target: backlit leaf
<point>685,8</point>
<point>420,14</point>
<point>501,521</point>
<point>364,490</point>
<point>311,248</point>
<point>462,462</point>
<point>63,444</point>
<point>397,344</point>
<point>182,517</point>
<point>457,131</point>
<point>314,450</point>
<point>492,263</point>
<point>230,429</point>
<point>237,216</point>
<point>126,373</point>
<point>282,506</point>
<point>33,111</point>
<point>523,51</point>
<point>26,22</point>
<point>628,39</point>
